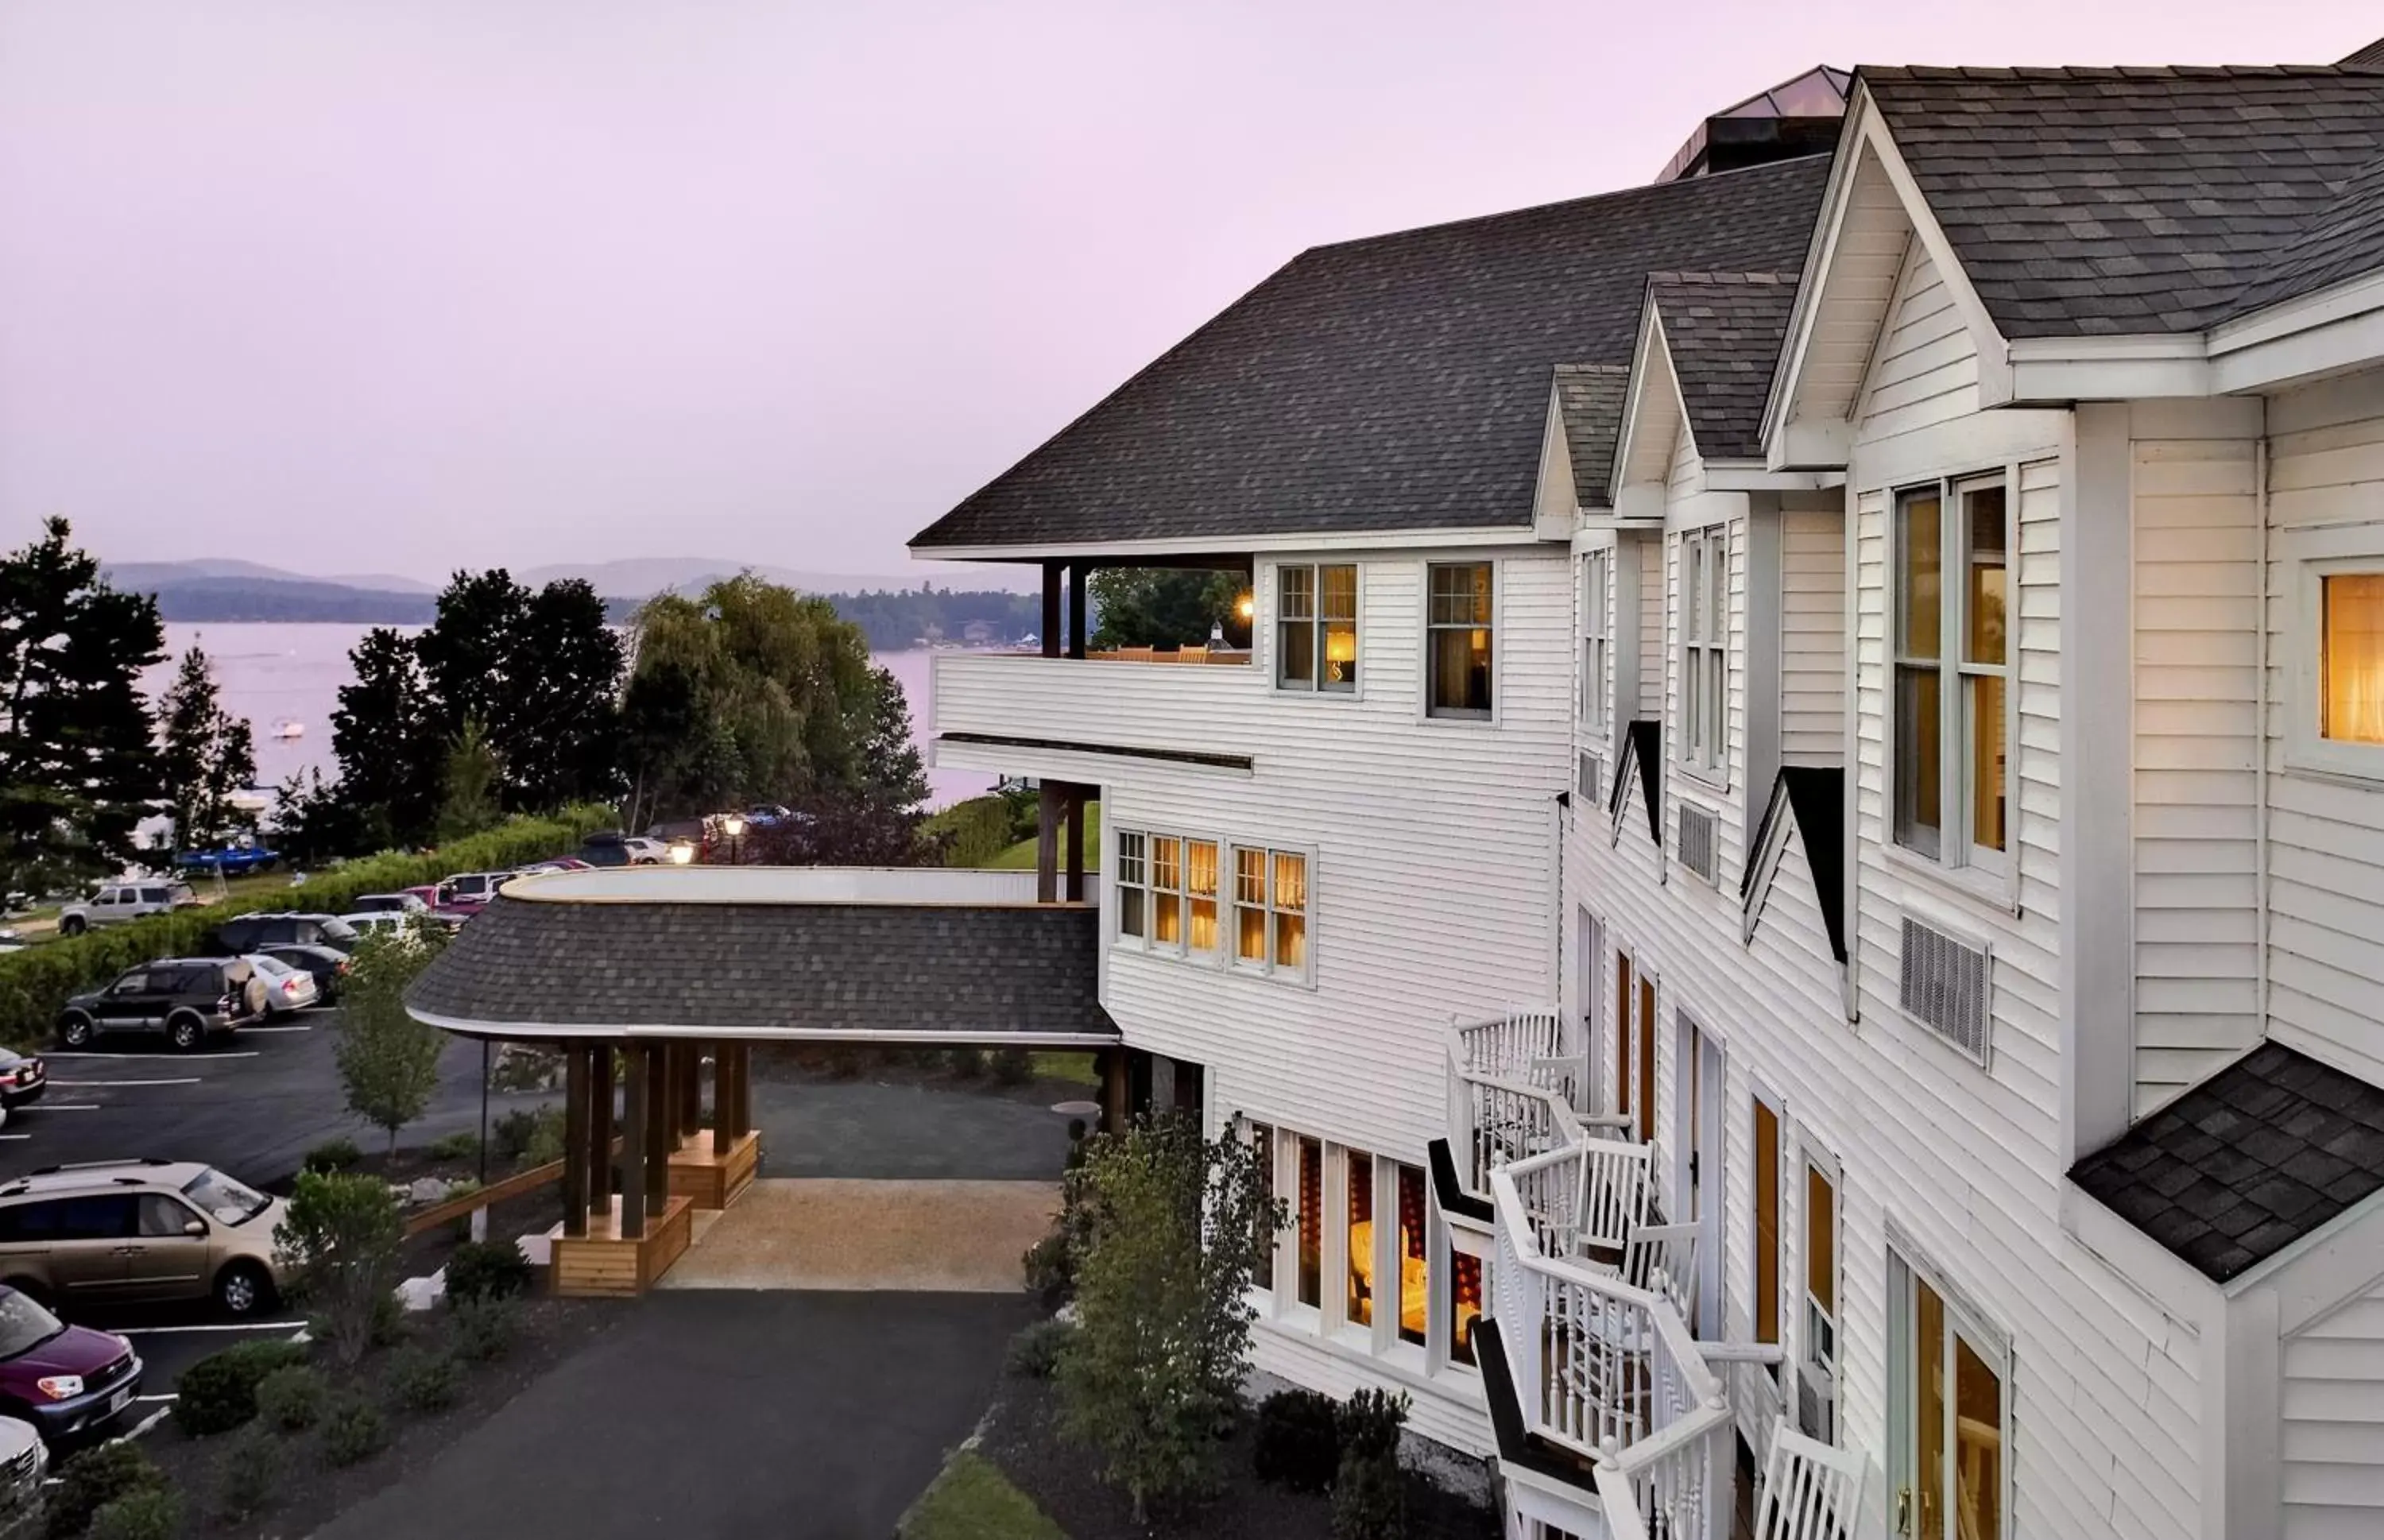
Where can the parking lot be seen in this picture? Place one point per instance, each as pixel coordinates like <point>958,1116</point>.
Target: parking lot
<point>253,1105</point>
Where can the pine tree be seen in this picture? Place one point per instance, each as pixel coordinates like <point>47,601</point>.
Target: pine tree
<point>468,803</point>
<point>78,761</point>
<point>204,755</point>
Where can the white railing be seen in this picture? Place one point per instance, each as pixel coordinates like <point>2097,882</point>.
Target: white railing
<point>1514,1083</point>
<point>1747,1370</point>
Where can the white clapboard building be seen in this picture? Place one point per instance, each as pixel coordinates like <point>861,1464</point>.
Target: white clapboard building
<point>1788,857</point>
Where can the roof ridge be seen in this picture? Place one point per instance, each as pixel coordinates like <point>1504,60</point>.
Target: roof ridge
<point>2116,72</point>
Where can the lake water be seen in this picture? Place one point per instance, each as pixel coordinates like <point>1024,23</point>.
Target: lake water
<point>273,672</point>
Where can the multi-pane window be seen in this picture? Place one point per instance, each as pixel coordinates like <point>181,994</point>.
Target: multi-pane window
<point>1464,1305</point>
<point>1358,1183</point>
<point>1704,648</point>
<point>1953,670</point>
<point>1271,910</point>
<point>1316,628</point>
<point>1262,1261</point>
<point>1415,1282</point>
<point>1311,1223</point>
<point>1595,571</point>
<point>1167,892</point>
<point>1820,1265</point>
<point>1458,627</point>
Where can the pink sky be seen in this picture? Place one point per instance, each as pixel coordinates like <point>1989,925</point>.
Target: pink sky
<point>345,287</point>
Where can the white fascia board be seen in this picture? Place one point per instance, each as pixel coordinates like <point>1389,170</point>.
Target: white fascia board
<point>2135,1259</point>
<point>1553,497</point>
<point>1212,545</point>
<point>2334,345</point>
<point>2343,302</point>
<point>1640,505</point>
<point>1779,407</point>
<point>2138,366</point>
<point>1755,476</point>
<point>1645,351</point>
<point>1811,447</point>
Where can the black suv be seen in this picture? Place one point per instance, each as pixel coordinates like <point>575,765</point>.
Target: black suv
<point>186,997</point>
<point>255,932</point>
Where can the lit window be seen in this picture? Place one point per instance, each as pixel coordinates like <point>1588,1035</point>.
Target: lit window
<point>2350,657</point>
<point>1459,625</point>
<point>1704,630</point>
<point>1316,628</point>
<point>1311,1223</point>
<point>1947,1378</point>
<point>1167,892</point>
<point>1595,569</point>
<point>1263,1257</point>
<point>1464,1304</point>
<point>1271,910</point>
<point>1133,879</point>
<point>1358,1179</point>
<point>1952,668</point>
<point>1415,1282</point>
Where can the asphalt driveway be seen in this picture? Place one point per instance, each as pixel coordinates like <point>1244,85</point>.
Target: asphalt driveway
<point>798,1414</point>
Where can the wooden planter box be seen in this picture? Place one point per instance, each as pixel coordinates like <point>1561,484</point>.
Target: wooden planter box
<point>603,1262</point>
<point>711,1181</point>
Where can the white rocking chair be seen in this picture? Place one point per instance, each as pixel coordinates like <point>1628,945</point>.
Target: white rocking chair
<point>1811,1490</point>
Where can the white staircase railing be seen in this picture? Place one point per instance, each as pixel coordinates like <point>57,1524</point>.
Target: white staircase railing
<point>1515,1085</point>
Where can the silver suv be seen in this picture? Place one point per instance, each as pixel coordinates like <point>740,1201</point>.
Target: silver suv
<point>117,901</point>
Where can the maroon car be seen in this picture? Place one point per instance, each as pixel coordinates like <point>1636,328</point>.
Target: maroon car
<point>64,1380</point>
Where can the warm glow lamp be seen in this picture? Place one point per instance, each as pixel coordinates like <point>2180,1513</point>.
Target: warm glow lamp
<point>681,853</point>
<point>733,826</point>
<point>1245,606</point>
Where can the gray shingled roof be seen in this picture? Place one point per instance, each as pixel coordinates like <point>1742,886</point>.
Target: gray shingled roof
<point>922,969</point>
<point>2247,1163</point>
<point>2118,201</point>
<point>1723,331</point>
<point>2369,58</point>
<point>1589,399</point>
<point>2342,241</point>
<point>1399,382</point>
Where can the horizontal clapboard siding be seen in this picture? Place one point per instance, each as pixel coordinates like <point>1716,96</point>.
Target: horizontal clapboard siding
<point>1926,370</point>
<point>2196,692</point>
<point>2332,1442</point>
<point>1812,638</point>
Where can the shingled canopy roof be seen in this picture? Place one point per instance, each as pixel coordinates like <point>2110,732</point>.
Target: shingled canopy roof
<point>1723,331</point>
<point>2259,1155</point>
<point>1399,382</point>
<point>2087,202</point>
<point>765,952</point>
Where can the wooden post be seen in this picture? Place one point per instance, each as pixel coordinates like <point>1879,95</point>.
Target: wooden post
<point>1076,844</point>
<point>600,1129</point>
<point>744,1102</point>
<point>1051,609</point>
<point>575,1138</point>
<point>1079,625</point>
<point>633,1143</point>
<point>691,1090</point>
<point>1114,1089</point>
<point>656,1071</point>
<point>1047,844</point>
<point>720,1084</point>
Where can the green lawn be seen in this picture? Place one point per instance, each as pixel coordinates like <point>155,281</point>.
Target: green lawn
<point>1021,856</point>
<point>971,1500</point>
<point>1074,1067</point>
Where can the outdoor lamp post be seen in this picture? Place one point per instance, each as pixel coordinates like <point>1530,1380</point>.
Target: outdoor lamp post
<point>681,853</point>
<point>734,828</point>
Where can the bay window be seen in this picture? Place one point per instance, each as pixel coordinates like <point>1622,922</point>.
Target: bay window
<point>1950,698</point>
<point>1316,628</point>
<point>1458,630</point>
<point>1704,648</point>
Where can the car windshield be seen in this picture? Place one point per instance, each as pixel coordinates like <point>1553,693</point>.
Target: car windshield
<point>339,930</point>
<point>24,1325</point>
<point>228,1199</point>
<point>269,965</point>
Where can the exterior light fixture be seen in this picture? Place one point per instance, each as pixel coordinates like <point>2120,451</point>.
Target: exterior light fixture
<point>1245,606</point>
<point>681,853</point>
<point>733,826</point>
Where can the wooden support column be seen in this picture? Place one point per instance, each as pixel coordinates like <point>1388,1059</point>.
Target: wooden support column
<point>1076,844</point>
<point>1079,623</point>
<point>1115,1088</point>
<point>691,1090</point>
<point>634,1152</point>
<point>654,1068</point>
<point>1051,571</point>
<point>722,1077</point>
<point>575,1138</point>
<point>744,1090</point>
<point>600,1128</point>
<point>1047,844</point>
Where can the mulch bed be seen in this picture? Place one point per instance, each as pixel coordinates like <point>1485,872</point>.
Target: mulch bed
<point>1021,1437</point>
<point>310,1493</point>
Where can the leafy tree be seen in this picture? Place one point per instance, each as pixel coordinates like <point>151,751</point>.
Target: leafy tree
<point>382,734</point>
<point>207,754</point>
<point>313,821</point>
<point>342,1237</point>
<point>1152,606</point>
<point>538,670</point>
<point>467,802</point>
<point>78,762</point>
<point>1163,1345</point>
<point>388,1060</point>
<point>891,770</point>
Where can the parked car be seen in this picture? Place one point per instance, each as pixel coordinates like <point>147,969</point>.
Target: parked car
<point>104,1231</point>
<point>56,1379</point>
<point>560,863</point>
<point>470,892</point>
<point>646,851</point>
<point>24,1463</point>
<point>288,987</point>
<point>413,900</point>
<point>328,966</point>
<point>607,848</point>
<point>116,902</point>
<point>23,1079</point>
<point>189,998</point>
<point>385,921</point>
<point>232,861</point>
<point>250,933</point>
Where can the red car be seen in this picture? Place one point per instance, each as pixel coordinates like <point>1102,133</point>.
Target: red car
<point>64,1380</point>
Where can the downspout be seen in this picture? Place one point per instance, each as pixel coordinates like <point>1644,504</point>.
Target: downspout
<point>2260,738</point>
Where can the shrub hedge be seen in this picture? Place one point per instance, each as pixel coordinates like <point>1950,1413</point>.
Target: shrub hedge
<point>219,1393</point>
<point>35,982</point>
<point>94,1478</point>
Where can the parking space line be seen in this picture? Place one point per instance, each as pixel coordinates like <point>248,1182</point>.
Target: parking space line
<point>16,1136</point>
<point>170,1396</point>
<point>214,1326</point>
<point>69,1106</point>
<point>254,1031</point>
<point>87,1085</point>
<point>181,1057</point>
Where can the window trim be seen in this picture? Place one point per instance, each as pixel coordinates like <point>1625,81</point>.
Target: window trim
<point>1424,709</point>
<point>1813,1159</point>
<point>1230,906</point>
<point>1147,943</point>
<point>1760,1095</point>
<point>1317,690</point>
<point>1594,662</point>
<point>1988,874</point>
<point>1906,1265</point>
<point>2315,555</point>
<point>1695,548</point>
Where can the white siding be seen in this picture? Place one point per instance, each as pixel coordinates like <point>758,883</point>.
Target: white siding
<point>2325,859</point>
<point>1653,665</point>
<point>2197,653</point>
<point>1812,638</point>
<point>1926,370</point>
<point>2332,1442</point>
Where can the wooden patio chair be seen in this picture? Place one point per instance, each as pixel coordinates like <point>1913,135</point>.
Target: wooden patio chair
<point>1811,1490</point>
<point>1193,654</point>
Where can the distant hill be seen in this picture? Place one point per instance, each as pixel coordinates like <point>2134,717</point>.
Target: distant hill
<point>643,577</point>
<point>218,599</point>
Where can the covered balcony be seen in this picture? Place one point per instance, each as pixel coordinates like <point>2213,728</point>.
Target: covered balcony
<point>1614,1421</point>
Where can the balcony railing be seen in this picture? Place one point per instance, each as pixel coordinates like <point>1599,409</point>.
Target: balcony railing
<point>1204,654</point>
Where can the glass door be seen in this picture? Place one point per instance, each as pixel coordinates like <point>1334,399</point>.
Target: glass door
<point>1948,1406</point>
